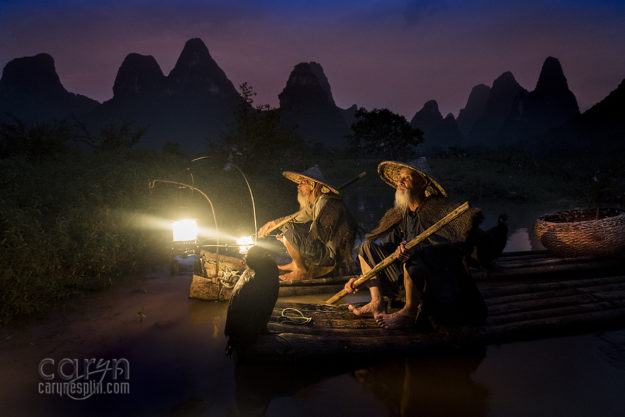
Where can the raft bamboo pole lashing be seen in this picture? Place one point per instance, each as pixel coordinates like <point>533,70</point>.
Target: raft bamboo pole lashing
<point>294,215</point>
<point>393,257</point>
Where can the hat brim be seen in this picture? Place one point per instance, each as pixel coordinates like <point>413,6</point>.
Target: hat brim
<point>389,171</point>
<point>296,177</point>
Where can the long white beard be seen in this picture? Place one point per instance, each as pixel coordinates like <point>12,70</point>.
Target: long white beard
<point>402,199</point>
<point>302,200</point>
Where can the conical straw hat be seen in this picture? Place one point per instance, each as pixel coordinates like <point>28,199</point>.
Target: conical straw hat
<point>314,174</point>
<point>389,172</point>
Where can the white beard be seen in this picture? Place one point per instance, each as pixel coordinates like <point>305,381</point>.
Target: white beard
<point>302,200</point>
<point>402,199</point>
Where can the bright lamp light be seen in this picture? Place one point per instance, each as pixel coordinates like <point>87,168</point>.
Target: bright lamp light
<point>245,243</point>
<point>185,230</point>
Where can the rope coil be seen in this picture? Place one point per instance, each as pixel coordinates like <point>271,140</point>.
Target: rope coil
<point>296,316</point>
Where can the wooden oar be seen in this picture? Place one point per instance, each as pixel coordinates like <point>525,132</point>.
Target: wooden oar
<point>392,258</point>
<point>294,215</point>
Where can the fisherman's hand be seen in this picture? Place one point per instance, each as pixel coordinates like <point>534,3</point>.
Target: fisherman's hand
<point>263,231</point>
<point>349,288</point>
<point>280,236</point>
<point>402,253</point>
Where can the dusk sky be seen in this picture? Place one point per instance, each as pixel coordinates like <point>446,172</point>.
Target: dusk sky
<point>393,54</point>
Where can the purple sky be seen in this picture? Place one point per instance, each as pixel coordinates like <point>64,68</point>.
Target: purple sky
<point>393,54</point>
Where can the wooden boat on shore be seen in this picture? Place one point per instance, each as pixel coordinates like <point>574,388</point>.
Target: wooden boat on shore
<point>516,311</point>
<point>510,266</point>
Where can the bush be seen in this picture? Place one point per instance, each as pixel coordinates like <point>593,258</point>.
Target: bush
<point>72,224</point>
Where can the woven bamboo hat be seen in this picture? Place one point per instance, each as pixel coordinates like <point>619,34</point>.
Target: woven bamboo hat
<point>389,171</point>
<point>313,174</point>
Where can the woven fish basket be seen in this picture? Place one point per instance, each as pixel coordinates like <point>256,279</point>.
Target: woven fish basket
<point>579,232</point>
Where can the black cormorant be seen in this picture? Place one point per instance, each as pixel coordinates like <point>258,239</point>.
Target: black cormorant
<point>252,301</point>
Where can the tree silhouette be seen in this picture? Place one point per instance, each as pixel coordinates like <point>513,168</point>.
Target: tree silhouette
<point>256,135</point>
<point>112,136</point>
<point>40,139</point>
<point>380,132</point>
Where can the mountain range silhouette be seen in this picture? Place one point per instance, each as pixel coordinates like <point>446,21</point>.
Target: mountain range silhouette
<point>196,100</point>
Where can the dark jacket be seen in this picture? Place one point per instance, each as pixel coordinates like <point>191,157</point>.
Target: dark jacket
<point>432,210</point>
<point>448,290</point>
<point>335,227</point>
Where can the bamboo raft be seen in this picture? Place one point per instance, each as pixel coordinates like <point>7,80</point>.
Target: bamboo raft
<point>539,264</point>
<point>515,312</point>
<point>510,266</point>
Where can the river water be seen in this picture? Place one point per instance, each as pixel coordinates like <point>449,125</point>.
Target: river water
<point>177,367</point>
<point>174,348</point>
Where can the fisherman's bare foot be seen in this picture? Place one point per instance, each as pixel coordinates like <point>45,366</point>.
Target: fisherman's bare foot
<point>296,275</point>
<point>373,308</point>
<point>287,267</point>
<point>398,320</point>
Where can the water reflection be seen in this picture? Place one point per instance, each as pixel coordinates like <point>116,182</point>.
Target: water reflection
<point>612,346</point>
<point>256,386</point>
<point>429,385</point>
<point>426,385</point>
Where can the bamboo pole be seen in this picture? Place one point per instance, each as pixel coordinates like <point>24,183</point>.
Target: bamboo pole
<point>281,223</point>
<point>392,258</point>
<point>553,312</point>
<point>551,285</point>
<point>559,301</point>
<point>527,296</point>
<point>552,325</point>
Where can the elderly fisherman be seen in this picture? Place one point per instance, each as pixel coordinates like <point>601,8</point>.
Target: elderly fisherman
<point>435,279</point>
<point>324,244</point>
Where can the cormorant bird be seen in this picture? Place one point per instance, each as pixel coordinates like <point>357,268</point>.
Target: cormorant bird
<point>252,301</point>
<point>489,244</point>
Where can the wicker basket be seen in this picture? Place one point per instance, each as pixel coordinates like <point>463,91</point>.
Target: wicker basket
<point>594,232</point>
